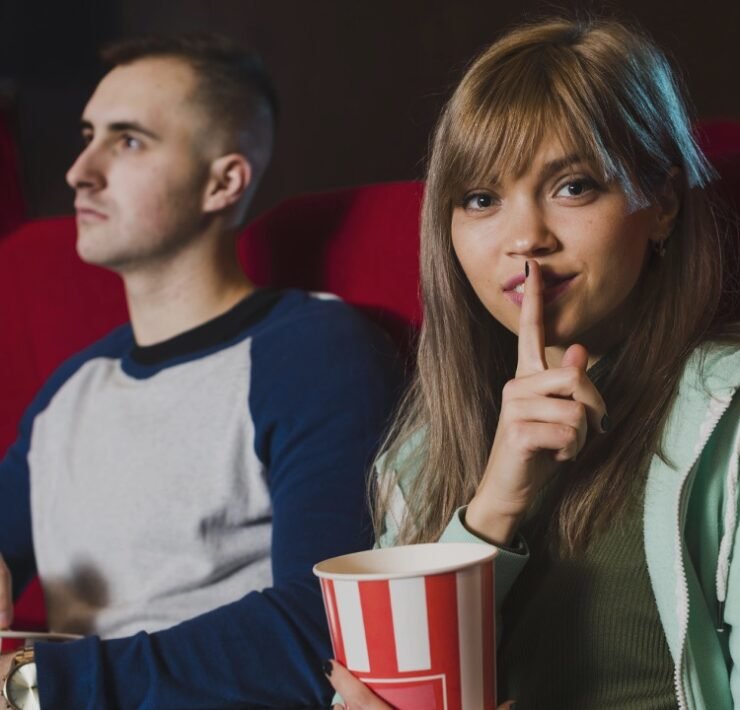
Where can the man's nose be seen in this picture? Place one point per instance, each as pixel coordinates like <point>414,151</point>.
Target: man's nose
<point>87,170</point>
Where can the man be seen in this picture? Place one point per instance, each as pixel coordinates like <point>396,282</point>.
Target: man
<point>174,483</point>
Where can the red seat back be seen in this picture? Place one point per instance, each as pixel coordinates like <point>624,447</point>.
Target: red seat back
<point>359,243</point>
<point>720,141</point>
<point>12,205</point>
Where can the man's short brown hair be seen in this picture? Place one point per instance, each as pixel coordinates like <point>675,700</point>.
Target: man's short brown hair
<point>231,79</point>
<point>232,85</point>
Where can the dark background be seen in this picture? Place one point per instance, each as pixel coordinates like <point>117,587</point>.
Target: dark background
<point>360,82</point>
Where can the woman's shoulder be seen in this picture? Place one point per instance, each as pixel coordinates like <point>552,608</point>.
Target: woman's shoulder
<point>403,461</point>
<point>714,366</point>
<point>397,469</point>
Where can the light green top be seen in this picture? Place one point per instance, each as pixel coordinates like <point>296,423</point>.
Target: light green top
<point>582,630</point>
<point>690,531</point>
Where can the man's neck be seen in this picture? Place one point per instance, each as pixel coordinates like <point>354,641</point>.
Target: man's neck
<point>182,293</point>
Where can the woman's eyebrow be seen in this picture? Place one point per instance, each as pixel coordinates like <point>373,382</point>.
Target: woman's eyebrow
<point>547,170</point>
<point>555,166</point>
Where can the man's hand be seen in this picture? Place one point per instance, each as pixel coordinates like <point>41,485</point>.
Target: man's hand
<point>6,659</point>
<point>6,614</point>
<point>357,696</point>
<point>6,596</point>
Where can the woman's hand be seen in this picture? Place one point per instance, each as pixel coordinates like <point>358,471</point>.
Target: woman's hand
<point>357,696</point>
<point>545,417</point>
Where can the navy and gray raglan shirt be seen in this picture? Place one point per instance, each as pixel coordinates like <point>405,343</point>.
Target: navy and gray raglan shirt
<point>174,498</point>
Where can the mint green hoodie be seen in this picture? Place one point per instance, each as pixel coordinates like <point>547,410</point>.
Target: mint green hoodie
<point>691,531</point>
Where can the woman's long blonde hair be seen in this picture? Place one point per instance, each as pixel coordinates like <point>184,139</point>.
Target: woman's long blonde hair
<point>611,97</point>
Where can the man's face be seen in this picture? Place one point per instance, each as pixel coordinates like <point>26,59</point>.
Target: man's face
<point>141,178</point>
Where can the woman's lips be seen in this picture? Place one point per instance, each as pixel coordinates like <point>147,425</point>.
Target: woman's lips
<point>550,291</point>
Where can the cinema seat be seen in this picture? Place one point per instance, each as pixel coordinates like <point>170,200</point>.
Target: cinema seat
<point>12,205</point>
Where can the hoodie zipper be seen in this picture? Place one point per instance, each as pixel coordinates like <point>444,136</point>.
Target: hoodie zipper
<point>708,427</point>
<point>730,515</point>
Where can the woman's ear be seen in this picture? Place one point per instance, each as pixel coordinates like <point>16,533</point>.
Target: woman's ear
<point>229,179</point>
<point>668,205</point>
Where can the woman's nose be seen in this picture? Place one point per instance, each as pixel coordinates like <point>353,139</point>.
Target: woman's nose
<point>527,231</point>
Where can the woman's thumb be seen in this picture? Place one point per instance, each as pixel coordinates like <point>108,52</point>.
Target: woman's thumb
<point>575,356</point>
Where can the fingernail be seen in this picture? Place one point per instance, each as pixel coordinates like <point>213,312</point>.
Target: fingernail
<point>526,269</point>
<point>327,667</point>
<point>606,423</point>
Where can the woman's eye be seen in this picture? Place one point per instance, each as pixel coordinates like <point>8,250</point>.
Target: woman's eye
<point>478,201</point>
<point>576,188</point>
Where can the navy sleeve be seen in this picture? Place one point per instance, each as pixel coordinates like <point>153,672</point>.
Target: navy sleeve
<point>16,537</point>
<point>322,388</point>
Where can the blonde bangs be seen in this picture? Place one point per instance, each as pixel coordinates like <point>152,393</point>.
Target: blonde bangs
<point>498,118</point>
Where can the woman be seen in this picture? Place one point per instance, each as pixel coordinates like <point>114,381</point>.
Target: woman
<point>565,205</point>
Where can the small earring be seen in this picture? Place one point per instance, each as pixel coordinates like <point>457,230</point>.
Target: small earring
<point>659,247</point>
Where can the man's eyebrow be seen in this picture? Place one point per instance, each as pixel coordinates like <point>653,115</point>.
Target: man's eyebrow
<point>122,127</point>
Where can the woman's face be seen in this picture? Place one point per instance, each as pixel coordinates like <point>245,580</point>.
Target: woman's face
<point>589,242</point>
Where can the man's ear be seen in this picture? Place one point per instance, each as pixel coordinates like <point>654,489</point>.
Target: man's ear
<point>668,204</point>
<point>229,179</point>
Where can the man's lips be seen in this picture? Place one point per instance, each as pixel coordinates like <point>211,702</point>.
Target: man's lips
<point>85,212</point>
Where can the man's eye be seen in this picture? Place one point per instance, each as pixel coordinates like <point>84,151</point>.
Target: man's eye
<point>477,201</point>
<point>576,187</point>
<point>130,142</point>
<point>87,138</point>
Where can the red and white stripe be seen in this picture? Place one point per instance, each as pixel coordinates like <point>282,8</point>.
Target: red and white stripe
<point>401,638</point>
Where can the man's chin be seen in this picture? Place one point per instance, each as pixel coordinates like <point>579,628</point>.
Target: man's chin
<point>89,254</point>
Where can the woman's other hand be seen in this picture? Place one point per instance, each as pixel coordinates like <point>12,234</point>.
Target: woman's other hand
<point>357,696</point>
<point>546,414</point>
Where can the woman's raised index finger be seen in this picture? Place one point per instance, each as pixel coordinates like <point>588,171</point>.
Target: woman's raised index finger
<point>531,324</point>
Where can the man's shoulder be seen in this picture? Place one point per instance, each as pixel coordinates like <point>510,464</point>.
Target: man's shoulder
<point>111,346</point>
<point>311,345</point>
<point>310,319</point>
<point>297,305</point>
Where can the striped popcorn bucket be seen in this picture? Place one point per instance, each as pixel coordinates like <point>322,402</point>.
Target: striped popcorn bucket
<point>416,623</point>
